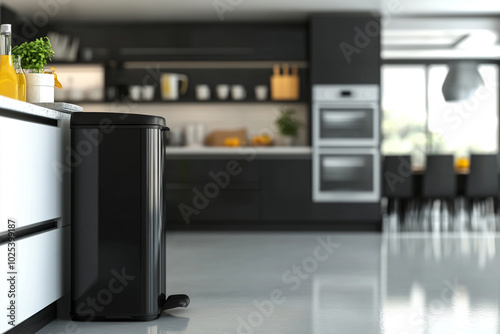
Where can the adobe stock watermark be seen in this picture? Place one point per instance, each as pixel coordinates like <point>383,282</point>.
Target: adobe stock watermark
<point>364,35</point>
<point>93,137</point>
<point>83,148</point>
<point>104,297</point>
<point>458,112</point>
<point>201,198</point>
<point>220,180</point>
<point>97,303</point>
<point>223,6</point>
<point>292,280</point>
<point>404,172</point>
<point>417,322</point>
<point>30,28</point>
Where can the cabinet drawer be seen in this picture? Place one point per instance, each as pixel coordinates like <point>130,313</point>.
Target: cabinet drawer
<point>31,189</point>
<point>39,273</point>
<point>228,205</point>
<point>206,170</point>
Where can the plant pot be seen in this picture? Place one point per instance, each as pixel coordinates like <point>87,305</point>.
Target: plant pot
<point>288,140</point>
<point>39,87</point>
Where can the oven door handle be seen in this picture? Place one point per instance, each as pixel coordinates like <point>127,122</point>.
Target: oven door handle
<point>343,117</point>
<point>342,169</point>
<point>342,162</point>
<point>344,120</point>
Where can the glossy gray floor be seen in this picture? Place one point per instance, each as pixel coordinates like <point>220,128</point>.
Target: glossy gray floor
<point>325,283</point>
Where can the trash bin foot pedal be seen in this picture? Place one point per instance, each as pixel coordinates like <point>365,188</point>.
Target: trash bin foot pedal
<point>173,301</point>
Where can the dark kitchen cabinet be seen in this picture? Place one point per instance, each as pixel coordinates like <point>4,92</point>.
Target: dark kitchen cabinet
<point>286,193</point>
<point>266,194</point>
<point>345,48</point>
<point>188,41</point>
<point>239,171</point>
<point>230,205</point>
<point>224,190</point>
<point>287,197</point>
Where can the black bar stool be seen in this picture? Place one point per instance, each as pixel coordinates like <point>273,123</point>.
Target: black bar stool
<point>481,189</point>
<point>397,187</point>
<point>438,190</point>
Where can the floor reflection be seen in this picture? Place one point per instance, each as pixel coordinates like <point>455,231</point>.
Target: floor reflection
<point>346,303</point>
<point>440,283</point>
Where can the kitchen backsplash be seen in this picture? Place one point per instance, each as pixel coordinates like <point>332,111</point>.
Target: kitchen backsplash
<point>256,118</point>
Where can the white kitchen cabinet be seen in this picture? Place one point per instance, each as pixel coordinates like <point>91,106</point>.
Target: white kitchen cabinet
<point>30,185</point>
<point>39,267</point>
<point>34,189</point>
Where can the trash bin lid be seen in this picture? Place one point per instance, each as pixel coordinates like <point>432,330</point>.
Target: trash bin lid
<point>117,119</point>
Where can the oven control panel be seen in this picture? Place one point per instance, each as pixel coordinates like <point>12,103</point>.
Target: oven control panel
<point>332,93</point>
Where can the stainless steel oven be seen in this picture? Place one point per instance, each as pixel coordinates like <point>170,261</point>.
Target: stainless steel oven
<point>346,175</point>
<point>346,137</point>
<point>346,115</point>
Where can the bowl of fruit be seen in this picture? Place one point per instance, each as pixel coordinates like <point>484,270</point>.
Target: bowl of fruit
<point>262,140</point>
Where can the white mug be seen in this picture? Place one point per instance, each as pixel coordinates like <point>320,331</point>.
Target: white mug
<point>238,92</point>
<point>148,92</point>
<point>170,85</point>
<point>194,134</point>
<point>261,93</point>
<point>202,92</point>
<point>222,92</point>
<point>135,93</point>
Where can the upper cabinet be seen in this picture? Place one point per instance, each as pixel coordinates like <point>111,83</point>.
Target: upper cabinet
<point>345,48</point>
<point>188,42</point>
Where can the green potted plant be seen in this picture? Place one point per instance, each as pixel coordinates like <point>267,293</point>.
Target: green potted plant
<point>34,57</point>
<point>288,125</point>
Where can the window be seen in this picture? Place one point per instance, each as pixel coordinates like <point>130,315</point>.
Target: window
<point>417,119</point>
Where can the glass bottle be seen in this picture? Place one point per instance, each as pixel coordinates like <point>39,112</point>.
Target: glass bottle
<point>8,78</point>
<point>21,79</point>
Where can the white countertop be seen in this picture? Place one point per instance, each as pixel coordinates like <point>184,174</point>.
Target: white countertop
<point>32,109</point>
<point>259,150</point>
<point>322,283</point>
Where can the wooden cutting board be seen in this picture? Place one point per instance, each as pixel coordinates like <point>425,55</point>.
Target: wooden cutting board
<point>216,138</point>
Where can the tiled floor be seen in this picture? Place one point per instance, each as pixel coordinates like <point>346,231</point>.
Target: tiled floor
<point>324,283</point>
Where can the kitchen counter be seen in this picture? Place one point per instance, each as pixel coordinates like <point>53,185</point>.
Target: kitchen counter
<point>35,192</point>
<point>322,283</point>
<point>8,105</point>
<point>243,152</point>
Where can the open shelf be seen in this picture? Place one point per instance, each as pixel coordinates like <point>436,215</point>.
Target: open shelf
<point>191,101</point>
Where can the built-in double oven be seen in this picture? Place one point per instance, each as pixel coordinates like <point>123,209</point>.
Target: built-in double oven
<point>346,138</point>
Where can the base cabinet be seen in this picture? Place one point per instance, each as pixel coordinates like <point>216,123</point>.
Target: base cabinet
<point>219,190</point>
<point>267,192</point>
<point>286,190</point>
<point>227,205</point>
<point>32,186</point>
<point>39,279</point>
<point>287,196</point>
<point>34,193</point>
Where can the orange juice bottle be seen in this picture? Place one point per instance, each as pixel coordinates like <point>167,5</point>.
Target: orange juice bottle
<point>21,79</point>
<point>8,77</point>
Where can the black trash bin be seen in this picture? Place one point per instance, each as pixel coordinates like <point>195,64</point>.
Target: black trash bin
<point>118,231</point>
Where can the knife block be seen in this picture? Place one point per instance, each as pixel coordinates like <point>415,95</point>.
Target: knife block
<point>285,86</point>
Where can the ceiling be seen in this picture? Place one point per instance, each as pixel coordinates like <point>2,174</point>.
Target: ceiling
<point>234,10</point>
<point>412,28</point>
